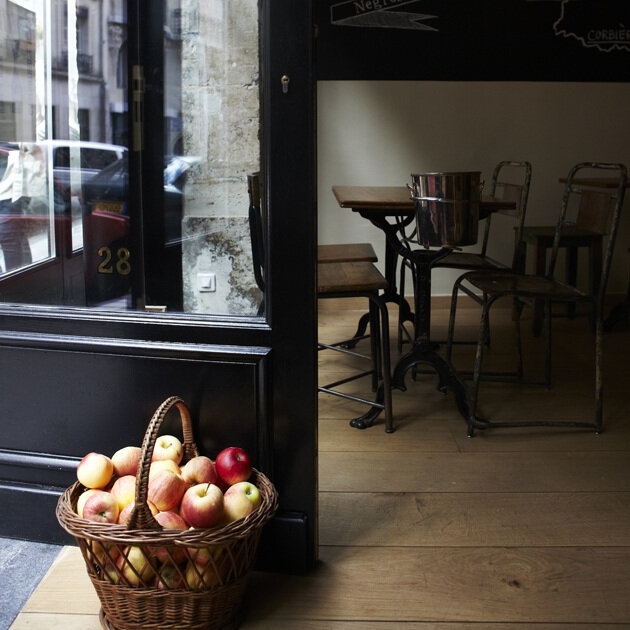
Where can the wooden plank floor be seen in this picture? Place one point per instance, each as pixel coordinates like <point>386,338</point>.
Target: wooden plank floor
<point>428,529</point>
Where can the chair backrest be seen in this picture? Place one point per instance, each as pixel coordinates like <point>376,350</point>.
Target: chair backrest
<point>599,210</point>
<point>256,229</point>
<point>593,212</point>
<point>511,181</point>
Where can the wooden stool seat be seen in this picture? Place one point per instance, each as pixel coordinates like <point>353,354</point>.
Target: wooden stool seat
<point>349,277</point>
<point>346,252</point>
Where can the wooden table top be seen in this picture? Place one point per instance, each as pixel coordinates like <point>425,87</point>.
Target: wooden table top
<point>397,199</point>
<point>373,196</point>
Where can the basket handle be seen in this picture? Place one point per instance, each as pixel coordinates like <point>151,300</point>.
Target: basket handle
<point>141,517</point>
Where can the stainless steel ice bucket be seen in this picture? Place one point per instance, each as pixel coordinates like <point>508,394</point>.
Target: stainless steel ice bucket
<point>447,208</point>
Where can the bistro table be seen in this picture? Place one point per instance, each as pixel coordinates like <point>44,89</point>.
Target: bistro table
<point>393,201</point>
<point>391,209</point>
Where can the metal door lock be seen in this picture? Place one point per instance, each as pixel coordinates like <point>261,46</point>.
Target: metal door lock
<point>285,83</point>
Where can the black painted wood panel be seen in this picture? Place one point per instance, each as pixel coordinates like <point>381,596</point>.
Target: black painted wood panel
<point>60,403</point>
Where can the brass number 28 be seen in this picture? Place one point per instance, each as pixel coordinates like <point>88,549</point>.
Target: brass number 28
<point>121,264</point>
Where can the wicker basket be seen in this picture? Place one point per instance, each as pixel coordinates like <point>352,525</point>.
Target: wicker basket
<point>206,598</point>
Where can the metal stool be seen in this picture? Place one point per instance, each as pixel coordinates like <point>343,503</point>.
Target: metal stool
<point>361,279</point>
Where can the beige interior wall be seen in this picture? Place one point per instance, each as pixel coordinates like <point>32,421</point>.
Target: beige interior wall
<point>378,133</point>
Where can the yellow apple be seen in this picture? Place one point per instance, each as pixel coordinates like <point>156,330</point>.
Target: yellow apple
<point>124,490</point>
<point>136,567</point>
<point>240,500</point>
<point>199,578</point>
<point>95,470</point>
<point>125,460</point>
<point>168,447</point>
<point>163,464</point>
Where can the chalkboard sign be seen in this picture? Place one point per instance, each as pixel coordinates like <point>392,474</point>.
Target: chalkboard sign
<point>473,40</point>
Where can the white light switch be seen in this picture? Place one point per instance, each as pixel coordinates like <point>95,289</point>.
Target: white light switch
<point>206,282</point>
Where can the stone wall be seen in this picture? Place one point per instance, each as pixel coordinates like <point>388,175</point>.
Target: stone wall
<point>220,111</point>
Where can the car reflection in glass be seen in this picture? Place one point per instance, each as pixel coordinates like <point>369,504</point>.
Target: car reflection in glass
<point>25,219</point>
<point>106,239</point>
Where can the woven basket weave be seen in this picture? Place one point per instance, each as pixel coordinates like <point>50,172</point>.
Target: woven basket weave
<point>129,595</point>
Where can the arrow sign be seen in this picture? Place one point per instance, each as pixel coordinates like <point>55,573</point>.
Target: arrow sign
<point>378,14</point>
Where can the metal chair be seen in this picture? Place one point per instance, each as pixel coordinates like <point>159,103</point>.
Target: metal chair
<point>586,232</point>
<point>605,208</point>
<point>510,180</point>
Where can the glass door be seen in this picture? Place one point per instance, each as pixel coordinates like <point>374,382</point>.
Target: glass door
<point>207,129</point>
<point>63,107</point>
<point>124,155</point>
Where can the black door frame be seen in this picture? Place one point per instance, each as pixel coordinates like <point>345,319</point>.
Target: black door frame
<point>277,354</point>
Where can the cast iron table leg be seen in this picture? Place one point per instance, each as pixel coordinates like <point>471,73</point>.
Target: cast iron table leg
<point>423,351</point>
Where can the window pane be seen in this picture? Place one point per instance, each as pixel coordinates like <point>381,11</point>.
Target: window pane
<point>212,142</point>
<point>65,215</point>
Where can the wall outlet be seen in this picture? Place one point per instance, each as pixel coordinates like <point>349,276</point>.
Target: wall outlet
<point>206,282</point>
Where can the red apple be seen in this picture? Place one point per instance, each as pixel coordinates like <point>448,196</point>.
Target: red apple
<point>202,505</point>
<point>125,514</point>
<point>83,497</point>
<point>240,500</point>
<point>135,566</point>
<point>166,490</point>
<point>199,469</point>
<point>95,470</point>
<point>233,464</point>
<point>168,447</point>
<point>126,460</point>
<point>124,490</point>
<point>170,520</point>
<point>102,507</point>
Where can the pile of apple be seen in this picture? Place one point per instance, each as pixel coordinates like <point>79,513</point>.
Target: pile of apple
<point>199,494</point>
